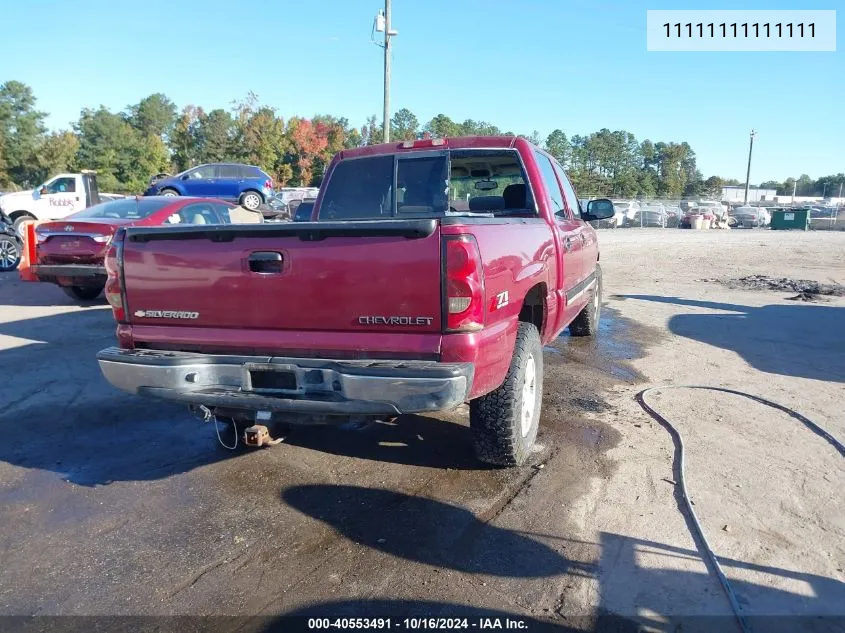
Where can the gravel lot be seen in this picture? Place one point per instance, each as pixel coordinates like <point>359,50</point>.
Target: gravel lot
<point>114,505</point>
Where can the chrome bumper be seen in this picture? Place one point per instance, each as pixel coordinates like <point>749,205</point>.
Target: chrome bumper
<point>296,385</point>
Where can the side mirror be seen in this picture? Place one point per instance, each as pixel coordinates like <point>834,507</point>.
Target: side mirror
<point>186,177</point>
<point>601,209</point>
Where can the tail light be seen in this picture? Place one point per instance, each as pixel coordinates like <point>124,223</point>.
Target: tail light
<point>115,294</point>
<point>463,294</point>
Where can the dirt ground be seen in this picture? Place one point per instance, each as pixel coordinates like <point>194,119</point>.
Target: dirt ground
<point>115,505</point>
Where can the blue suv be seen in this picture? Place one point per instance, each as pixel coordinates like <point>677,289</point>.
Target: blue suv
<point>245,184</point>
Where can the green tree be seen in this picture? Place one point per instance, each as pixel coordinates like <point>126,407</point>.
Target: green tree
<point>442,126</point>
<point>372,133</point>
<point>713,187</point>
<point>558,146</point>
<point>57,153</point>
<point>771,184</point>
<point>805,186</point>
<point>534,138</point>
<point>214,136</point>
<point>154,115</point>
<point>22,129</point>
<point>123,157</point>
<point>404,126</point>
<point>184,139</point>
<point>5,181</point>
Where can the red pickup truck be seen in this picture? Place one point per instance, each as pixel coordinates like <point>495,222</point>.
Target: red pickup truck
<point>430,274</point>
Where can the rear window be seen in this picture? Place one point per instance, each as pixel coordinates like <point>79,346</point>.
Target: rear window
<point>359,189</point>
<point>428,184</point>
<point>229,171</point>
<point>125,209</point>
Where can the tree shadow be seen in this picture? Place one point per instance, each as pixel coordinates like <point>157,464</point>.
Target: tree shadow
<point>413,440</point>
<point>428,531</point>
<point>804,341</point>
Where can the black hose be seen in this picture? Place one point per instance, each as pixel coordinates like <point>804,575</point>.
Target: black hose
<point>693,523</point>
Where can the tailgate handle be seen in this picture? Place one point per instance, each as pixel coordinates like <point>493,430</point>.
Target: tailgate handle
<point>265,262</point>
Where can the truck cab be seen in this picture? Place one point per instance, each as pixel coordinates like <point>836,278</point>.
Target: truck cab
<point>55,199</point>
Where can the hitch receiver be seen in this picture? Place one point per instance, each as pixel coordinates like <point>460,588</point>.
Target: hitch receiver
<point>258,435</point>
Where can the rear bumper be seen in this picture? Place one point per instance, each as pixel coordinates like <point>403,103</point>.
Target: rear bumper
<point>69,270</point>
<point>310,386</point>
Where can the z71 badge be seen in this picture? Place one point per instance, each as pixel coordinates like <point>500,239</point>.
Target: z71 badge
<point>165,314</point>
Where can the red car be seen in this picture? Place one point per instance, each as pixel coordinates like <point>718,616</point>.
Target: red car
<point>430,273</point>
<point>71,252</point>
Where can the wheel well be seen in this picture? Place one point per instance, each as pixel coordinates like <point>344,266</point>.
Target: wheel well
<point>14,215</point>
<point>534,307</point>
<point>246,191</point>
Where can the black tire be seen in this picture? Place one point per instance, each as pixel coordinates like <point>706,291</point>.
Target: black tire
<point>83,293</point>
<point>496,419</point>
<point>10,253</point>
<point>247,200</point>
<point>168,191</point>
<point>587,321</point>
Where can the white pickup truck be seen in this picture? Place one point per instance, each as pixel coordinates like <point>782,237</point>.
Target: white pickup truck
<point>57,198</point>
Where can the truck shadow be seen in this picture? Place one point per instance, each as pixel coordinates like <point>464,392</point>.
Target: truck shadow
<point>58,413</point>
<point>427,531</point>
<point>414,440</point>
<point>110,439</point>
<point>804,341</point>
<point>640,582</point>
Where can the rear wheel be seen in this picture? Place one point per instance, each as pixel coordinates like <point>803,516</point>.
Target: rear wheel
<point>250,200</point>
<point>504,422</point>
<point>169,193</point>
<point>587,321</point>
<point>10,253</point>
<point>83,293</point>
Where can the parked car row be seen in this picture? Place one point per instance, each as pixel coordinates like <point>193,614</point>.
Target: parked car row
<point>247,185</point>
<point>71,252</point>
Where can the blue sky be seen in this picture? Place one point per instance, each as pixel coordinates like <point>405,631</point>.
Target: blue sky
<point>531,65</point>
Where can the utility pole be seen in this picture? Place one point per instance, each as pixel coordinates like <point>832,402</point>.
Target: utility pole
<point>794,187</point>
<point>382,25</point>
<point>748,173</point>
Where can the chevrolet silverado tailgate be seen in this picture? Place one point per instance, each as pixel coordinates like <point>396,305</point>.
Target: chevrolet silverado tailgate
<point>369,276</point>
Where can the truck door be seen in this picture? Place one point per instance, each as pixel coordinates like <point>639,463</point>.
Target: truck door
<point>568,230</point>
<point>589,240</point>
<point>59,197</point>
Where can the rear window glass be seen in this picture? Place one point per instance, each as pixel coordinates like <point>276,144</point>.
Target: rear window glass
<point>229,171</point>
<point>126,209</point>
<point>359,189</point>
<point>428,184</point>
<point>489,181</point>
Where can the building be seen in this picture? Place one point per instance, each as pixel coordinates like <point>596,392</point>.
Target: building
<point>733,194</point>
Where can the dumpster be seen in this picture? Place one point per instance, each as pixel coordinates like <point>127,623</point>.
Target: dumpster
<point>791,219</point>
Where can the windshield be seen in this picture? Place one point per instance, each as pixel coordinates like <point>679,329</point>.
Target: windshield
<point>125,209</point>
